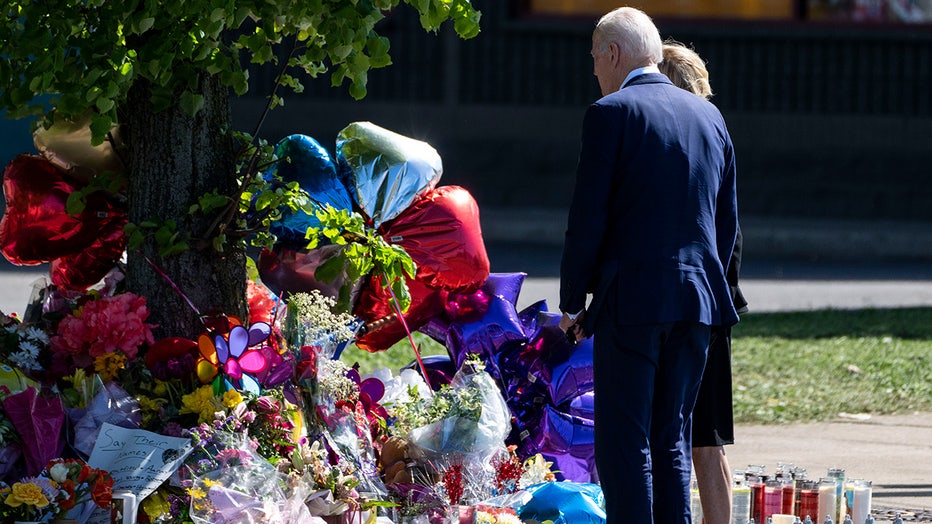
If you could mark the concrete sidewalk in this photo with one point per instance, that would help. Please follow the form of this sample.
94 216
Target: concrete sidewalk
892 451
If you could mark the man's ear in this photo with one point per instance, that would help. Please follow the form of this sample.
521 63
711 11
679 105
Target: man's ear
614 53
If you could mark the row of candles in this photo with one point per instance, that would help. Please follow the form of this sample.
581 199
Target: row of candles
789 494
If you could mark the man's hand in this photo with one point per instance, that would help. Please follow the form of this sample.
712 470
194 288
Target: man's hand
573 327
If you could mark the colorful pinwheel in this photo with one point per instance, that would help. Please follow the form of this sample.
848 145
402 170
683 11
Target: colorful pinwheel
231 354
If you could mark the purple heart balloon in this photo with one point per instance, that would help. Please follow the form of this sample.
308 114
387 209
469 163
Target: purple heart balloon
563 433
583 406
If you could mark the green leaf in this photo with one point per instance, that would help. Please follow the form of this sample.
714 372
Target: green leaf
329 270
191 103
100 126
104 105
75 203
145 24
252 271
400 289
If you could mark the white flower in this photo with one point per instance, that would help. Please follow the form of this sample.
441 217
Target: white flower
507 518
29 349
36 334
25 360
396 388
59 472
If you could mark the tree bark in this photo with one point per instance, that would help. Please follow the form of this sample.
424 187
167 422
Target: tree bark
174 158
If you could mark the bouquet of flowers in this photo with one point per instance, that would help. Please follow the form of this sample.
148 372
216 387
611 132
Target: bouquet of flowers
311 321
468 417
63 489
231 482
101 335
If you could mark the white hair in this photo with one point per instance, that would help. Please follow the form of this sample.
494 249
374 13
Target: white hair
633 32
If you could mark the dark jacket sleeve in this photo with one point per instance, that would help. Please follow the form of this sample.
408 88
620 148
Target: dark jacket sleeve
601 137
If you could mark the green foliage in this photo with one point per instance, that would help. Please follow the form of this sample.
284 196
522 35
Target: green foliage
365 252
811 366
107 181
394 358
87 54
165 233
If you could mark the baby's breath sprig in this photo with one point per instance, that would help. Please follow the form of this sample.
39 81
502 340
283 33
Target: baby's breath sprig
311 319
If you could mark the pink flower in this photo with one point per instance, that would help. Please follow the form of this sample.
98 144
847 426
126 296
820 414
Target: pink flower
105 325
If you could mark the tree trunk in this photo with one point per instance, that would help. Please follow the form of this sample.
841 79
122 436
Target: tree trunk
173 159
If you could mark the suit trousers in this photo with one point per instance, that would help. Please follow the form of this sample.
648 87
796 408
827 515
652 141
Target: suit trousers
646 381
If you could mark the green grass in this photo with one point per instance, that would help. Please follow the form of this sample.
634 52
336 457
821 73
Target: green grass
795 367
395 357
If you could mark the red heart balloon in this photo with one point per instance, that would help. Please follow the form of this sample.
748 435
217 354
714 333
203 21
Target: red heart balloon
85 268
442 233
35 226
374 306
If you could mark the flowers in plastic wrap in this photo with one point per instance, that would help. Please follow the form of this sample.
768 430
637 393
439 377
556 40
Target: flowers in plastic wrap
333 485
469 417
38 417
311 322
65 488
94 403
345 423
232 483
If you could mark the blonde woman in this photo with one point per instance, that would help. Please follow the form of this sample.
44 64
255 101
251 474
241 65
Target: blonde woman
713 424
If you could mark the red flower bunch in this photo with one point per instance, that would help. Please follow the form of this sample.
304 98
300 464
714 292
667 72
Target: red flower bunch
59 488
101 334
105 325
508 471
78 483
453 483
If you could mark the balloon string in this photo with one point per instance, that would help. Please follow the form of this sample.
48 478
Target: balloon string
401 317
175 287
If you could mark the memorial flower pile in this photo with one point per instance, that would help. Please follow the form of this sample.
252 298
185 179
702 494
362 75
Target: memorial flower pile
258 419
63 488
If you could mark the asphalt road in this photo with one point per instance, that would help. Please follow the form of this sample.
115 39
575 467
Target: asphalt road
769 284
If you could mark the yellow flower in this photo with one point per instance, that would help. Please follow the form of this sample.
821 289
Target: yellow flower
29 494
160 389
196 493
109 364
201 401
155 506
231 398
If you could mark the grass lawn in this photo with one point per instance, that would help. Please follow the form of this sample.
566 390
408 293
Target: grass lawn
811 366
794 367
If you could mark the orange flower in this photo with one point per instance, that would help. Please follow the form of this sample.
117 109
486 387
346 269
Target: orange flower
102 492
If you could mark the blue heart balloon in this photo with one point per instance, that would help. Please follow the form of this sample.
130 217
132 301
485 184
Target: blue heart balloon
303 160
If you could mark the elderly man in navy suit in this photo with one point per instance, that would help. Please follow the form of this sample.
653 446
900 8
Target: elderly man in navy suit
652 224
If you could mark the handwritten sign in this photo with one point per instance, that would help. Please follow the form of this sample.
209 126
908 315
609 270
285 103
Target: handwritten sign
139 461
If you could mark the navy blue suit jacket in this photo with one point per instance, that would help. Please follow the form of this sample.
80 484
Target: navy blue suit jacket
654 213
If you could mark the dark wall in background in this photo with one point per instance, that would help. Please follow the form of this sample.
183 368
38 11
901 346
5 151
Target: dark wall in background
828 121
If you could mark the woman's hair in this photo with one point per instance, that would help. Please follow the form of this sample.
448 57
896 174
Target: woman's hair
685 69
